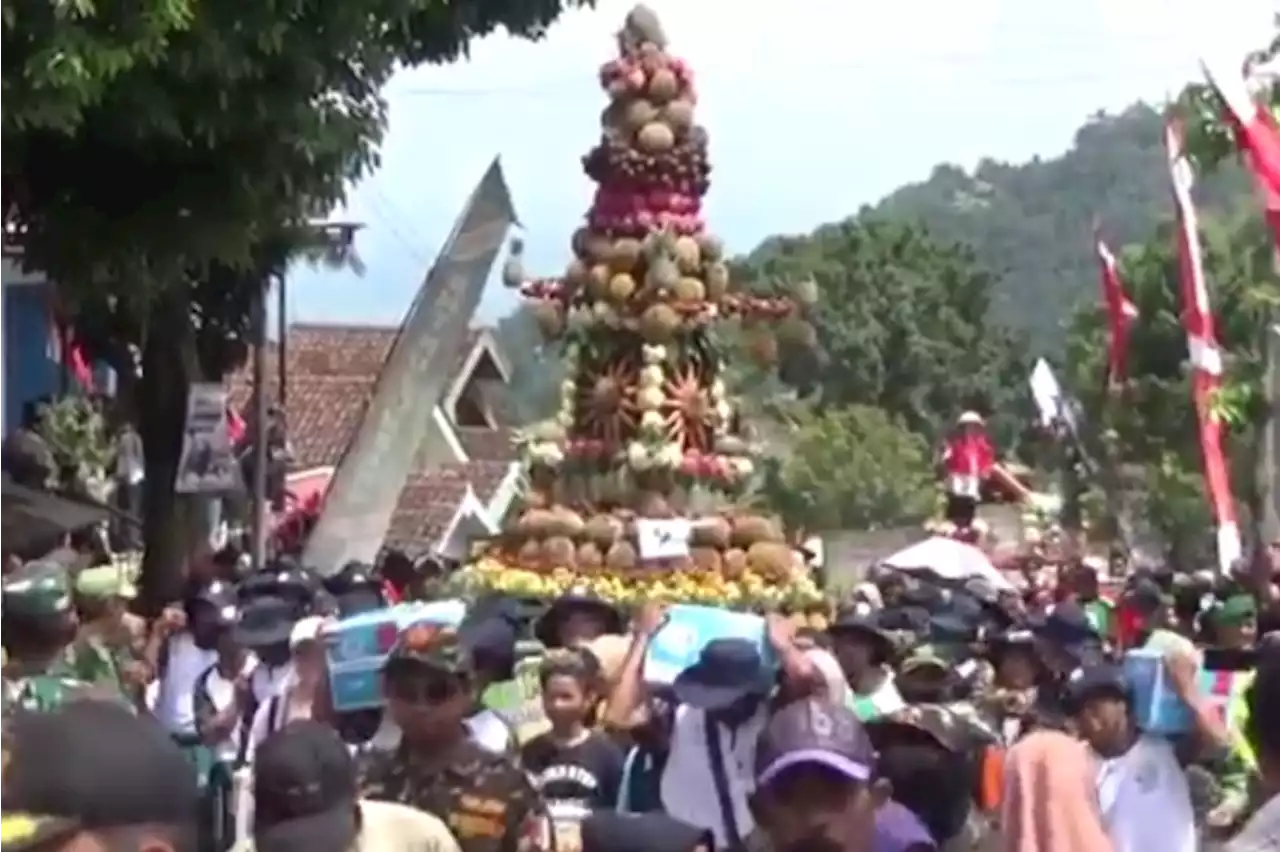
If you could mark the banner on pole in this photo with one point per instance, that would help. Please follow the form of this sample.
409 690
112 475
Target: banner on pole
371 474
207 464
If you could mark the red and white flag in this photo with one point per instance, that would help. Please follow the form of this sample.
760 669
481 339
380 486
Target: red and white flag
1120 311
62 348
1202 348
1256 132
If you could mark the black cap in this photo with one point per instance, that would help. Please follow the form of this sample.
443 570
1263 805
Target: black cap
265 621
70 763
304 790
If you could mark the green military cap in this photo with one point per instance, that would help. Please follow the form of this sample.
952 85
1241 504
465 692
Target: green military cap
37 589
429 647
106 581
1234 611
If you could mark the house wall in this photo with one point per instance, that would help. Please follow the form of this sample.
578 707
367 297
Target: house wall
29 372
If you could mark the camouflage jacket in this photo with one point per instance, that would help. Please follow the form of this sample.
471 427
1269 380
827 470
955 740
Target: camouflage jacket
40 692
485 798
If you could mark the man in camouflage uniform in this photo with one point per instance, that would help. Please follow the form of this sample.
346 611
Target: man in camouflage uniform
485 799
105 652
39 622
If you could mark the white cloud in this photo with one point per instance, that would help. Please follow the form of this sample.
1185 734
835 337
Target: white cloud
814 108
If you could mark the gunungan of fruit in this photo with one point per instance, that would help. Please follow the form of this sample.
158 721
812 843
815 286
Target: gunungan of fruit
710 532
621 287
690 289
589 557
658 324
598 281
656 137
663 85
566 522
604 530
688 256
663 273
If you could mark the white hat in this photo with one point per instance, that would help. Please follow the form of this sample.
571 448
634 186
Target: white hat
306 630
971 418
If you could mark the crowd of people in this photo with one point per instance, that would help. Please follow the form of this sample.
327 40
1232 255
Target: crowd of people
928 716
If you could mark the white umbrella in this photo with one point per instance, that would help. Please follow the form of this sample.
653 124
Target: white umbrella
950 560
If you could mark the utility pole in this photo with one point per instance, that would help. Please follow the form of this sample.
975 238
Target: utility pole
258 328
1270 463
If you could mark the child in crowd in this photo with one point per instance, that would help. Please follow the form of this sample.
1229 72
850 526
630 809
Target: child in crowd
577 769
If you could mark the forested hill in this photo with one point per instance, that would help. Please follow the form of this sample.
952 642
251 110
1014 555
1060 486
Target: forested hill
1032 223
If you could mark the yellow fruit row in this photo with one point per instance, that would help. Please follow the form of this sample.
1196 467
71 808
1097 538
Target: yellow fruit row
748 591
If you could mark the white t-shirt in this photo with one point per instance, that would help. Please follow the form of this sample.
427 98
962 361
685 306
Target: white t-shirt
184 664
688 786
222 693
269 681
1145 800
491 731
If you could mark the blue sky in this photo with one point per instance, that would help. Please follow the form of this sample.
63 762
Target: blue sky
814 107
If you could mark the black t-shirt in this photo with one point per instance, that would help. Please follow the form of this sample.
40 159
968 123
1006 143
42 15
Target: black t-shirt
575 779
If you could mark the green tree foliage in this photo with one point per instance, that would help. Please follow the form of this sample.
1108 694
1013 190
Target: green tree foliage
853 467
163 160
903 324
1032 223
1152 418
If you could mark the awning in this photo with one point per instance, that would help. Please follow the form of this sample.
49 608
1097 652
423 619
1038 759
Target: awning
34 518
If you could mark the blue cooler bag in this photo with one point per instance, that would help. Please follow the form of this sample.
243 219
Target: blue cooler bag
688 630
356 648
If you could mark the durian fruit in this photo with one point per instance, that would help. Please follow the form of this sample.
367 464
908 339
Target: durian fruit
662 273
711 532
707 560
658 324
663 85
603 531
689 290
752 529
687 255
565 522
734 563
535 523
656 138
642 26
625 255
678 115
640 112
717 280
559 552
590 558
529 556
621 557
710 246
598 282
621 287
770 559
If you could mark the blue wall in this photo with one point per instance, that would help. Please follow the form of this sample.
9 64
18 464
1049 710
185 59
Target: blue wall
29 373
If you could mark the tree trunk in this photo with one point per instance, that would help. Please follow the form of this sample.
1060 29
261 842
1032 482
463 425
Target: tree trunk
162 404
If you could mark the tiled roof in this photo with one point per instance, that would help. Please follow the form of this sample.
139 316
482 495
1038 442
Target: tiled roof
485 444
332 373
429 501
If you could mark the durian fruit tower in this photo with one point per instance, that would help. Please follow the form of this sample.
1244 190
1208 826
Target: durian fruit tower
646 427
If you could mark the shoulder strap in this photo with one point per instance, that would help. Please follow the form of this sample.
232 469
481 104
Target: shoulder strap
721 780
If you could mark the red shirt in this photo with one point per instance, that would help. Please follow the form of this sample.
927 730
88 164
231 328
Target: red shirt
969 454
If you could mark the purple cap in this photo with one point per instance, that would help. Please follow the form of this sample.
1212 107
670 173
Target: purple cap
813 731
898 828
